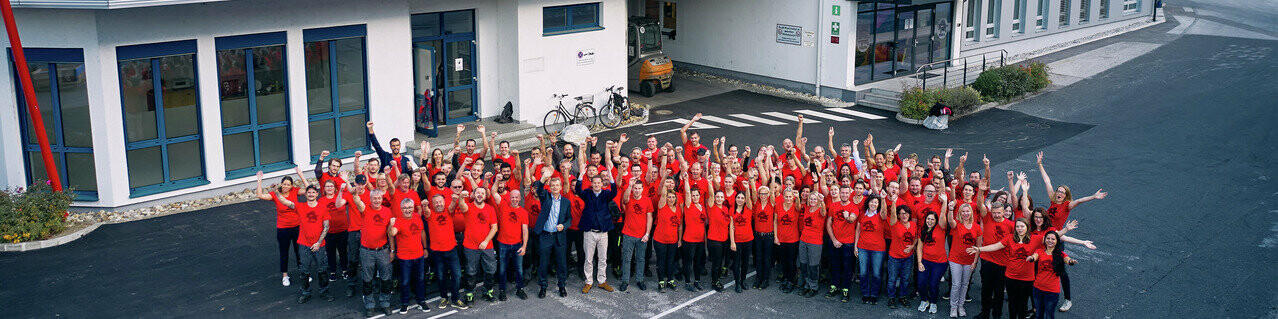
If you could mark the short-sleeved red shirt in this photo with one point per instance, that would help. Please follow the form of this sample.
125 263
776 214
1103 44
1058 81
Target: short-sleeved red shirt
1058 213
408 240
1017 267
743 231
934 251
442 237
510 230
1045 277
763 218
690 151
993 232
668 220
636 218
872 229
962 238
337 215
720 218
812 226
479 222
312 222
286 217
694 221
373 235
902 235
844 230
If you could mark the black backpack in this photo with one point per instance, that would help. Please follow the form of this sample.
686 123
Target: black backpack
507 114
941 109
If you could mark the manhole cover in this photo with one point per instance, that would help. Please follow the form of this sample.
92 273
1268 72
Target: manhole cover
1040 126
663 112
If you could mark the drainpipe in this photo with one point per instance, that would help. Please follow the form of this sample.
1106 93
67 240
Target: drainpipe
24 75
816 40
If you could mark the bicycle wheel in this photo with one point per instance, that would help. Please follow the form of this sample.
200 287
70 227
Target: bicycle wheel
610 116
585 115
554 122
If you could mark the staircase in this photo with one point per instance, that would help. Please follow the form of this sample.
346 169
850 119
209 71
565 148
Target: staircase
882 99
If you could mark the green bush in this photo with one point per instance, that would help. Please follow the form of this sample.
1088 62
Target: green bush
1007 82
33 214
962 99
1038 76
915 103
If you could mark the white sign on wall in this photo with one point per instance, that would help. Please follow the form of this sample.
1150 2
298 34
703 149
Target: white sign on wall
585 57
459 64
789 34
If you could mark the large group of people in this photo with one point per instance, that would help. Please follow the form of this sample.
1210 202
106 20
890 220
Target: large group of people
699 216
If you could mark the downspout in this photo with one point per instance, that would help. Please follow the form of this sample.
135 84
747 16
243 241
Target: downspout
816 40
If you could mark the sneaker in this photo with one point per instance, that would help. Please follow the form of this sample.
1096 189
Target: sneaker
460 305
833 292
641 285
717 286
846 297
688 286
764 285
350 291
946 296
874 301
468 298
661 287
697 285
865 300
501 296
425 307
285 282
489 296
541 294
737 288
968 298
922 306
953 312
521 294
1064 305
443 303
562 293
623 287
368 313
403 309
386 311
962 313
303 299
892 303
931 308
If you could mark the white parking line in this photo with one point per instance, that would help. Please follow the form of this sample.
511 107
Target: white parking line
414 307
698 298
855 113
756 119
789 117
724 121
825 116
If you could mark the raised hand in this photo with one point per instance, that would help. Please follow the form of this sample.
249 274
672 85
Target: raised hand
986 160
492 135
800 118
1040 157
1100 194
358 154
1071 225
1021 176
460 128
324 154
623 138
831 134
696 117
1010 174
481 129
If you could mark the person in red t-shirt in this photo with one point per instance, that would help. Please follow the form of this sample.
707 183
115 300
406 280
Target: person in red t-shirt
693 249
1049 266
842 226
410 249
931 258
512 241
786 225
310 238
668 228
1019 273
481 228
443 244
286 219
901 252
691 142
374 251
636 230
965 232
1062 202
812 227
871 248
742 234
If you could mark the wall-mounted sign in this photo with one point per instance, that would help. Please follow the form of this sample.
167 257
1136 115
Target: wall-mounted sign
789 34
459 64
836 10
834 39
585 57
834 28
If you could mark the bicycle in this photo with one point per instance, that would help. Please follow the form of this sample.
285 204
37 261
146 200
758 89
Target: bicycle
616 110
558 118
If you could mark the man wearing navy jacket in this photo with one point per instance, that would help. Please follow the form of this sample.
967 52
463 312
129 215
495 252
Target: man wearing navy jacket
550 226
595 223
404 161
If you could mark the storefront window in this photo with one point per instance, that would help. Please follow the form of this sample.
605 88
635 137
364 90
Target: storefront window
161 105
254 100
336 89
60 73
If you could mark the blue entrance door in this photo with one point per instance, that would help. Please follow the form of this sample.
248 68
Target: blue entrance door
445 68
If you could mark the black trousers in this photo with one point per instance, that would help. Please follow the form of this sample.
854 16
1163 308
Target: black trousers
1018 294
763 256
992 281
665 260
716 249
335 245
741 262
552 247
286 237
788 254
694 255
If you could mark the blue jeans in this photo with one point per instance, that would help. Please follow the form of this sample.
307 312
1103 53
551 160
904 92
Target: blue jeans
509 260
841 263
1045 303
449 268
412 271
633 249
898 277
929 280
871 271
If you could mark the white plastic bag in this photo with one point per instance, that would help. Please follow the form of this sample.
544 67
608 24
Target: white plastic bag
937 122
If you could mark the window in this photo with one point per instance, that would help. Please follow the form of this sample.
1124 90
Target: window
1131 6
570 18
161 104
253 91
1018 7
1104 9
669 16
58 78
1038 19
1084 10
336 89
1063 18
991 18
973 8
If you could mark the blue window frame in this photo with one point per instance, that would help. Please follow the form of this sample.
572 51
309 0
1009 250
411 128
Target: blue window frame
336 89
58 76
253 91
159 95
570 18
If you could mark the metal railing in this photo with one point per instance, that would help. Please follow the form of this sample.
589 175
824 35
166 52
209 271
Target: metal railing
957 71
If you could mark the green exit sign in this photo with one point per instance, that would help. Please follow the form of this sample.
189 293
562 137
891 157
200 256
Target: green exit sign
836 10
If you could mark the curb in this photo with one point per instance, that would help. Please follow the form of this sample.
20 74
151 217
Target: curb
906 120
56 241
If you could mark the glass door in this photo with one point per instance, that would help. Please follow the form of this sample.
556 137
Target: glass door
459 75
903 55
424 87
941 32
922 38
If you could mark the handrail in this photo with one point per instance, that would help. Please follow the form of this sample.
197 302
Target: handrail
918 73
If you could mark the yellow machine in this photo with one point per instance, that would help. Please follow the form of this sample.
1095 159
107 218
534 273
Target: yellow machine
650 70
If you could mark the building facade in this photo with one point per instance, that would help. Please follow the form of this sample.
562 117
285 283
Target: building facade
148 100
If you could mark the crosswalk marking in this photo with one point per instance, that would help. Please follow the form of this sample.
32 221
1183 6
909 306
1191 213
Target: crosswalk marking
724 121
855 113
825 116
681 122
789 117
756 119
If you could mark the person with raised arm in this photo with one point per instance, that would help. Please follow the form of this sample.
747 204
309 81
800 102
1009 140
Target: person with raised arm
1062 202
310 239
402 162
477 239
374 251
595 223
931 258
552 221
1049 265
742 235
842 226
410 237
286 218
691 141
512 239
965 232
900 253
666 234
812 229
1019 272
636 229
693 247
765 240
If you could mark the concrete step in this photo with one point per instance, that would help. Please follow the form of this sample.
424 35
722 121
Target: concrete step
879 102
884 95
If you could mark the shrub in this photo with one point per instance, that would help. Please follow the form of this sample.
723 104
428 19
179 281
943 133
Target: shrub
1038 76
1006 82
33 214
915 103
962 99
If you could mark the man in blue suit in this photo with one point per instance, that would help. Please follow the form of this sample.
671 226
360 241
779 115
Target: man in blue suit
550 229
596 221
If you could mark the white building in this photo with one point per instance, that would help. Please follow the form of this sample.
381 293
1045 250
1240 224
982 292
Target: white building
252 85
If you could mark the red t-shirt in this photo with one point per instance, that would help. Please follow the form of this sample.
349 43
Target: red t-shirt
667 230
909 200
337 215
813 226
719 221
374 236
935 250
576 205
1017 267
844 230
355 220
311 227
741 221
397 198
408 240
459 219
479 222
694 229
510 229
636 217
872 229
920 210
763 218
690 151
902 235
993 232
442 237
1045 277
1058 213
962 238
532 205
286 217
787 223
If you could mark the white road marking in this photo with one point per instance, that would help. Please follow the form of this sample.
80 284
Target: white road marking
855 113
698 125
1188 9
698 298
724 121
1185 22
825 116
756 119
789 117
428 302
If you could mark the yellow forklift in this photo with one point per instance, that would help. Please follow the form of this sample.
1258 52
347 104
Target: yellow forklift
650 70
